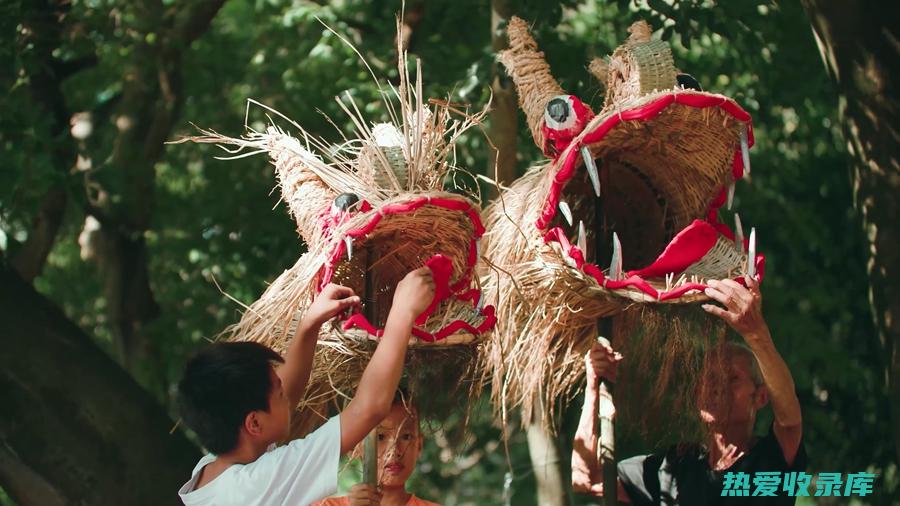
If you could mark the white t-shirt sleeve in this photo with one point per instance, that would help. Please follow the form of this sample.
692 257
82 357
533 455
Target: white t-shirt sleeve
303 471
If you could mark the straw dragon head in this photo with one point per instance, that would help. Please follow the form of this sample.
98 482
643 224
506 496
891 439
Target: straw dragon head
625 209
370 210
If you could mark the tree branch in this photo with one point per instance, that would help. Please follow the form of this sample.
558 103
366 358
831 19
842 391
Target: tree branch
71 414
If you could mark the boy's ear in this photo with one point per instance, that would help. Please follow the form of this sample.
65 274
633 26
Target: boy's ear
761 398
252 424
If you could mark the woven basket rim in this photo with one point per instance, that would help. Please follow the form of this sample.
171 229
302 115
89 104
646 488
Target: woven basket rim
647 110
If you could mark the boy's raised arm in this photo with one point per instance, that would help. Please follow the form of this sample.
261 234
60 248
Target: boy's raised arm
298 360
379 381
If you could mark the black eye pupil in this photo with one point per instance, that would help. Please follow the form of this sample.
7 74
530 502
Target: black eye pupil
688 81
345 200
558 109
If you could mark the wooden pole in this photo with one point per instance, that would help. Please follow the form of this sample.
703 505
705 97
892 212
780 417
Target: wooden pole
370 310
370 460
606 411
606 445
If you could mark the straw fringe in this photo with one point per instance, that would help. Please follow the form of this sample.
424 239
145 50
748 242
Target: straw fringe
545 312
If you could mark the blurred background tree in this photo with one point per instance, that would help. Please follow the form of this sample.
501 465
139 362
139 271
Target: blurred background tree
111 240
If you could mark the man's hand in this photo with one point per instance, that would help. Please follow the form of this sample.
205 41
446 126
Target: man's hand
601 361
414 292
744 313
743 306
363 494
331 300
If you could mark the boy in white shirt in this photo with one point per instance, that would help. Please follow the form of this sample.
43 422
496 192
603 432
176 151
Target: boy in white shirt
238 398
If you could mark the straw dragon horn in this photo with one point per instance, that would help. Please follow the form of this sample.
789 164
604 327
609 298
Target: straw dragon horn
304 192
530 72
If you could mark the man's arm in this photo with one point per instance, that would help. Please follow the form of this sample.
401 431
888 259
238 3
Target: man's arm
587 473
744 313
294 373
379 381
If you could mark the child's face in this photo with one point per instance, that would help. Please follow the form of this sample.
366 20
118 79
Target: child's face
399 444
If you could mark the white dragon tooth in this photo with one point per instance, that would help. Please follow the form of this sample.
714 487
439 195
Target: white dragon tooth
591 168
615 265
730 195
566 211
348 243
582 239
480 304
751 254
745 150
738 233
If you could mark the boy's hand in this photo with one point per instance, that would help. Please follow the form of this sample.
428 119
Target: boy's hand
362 494
601 361
331 300
414 292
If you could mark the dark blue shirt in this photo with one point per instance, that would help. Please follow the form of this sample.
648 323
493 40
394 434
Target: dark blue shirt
682 476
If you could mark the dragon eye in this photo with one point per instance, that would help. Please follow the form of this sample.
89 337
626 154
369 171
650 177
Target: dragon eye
689 82
345 200
559 114
558 109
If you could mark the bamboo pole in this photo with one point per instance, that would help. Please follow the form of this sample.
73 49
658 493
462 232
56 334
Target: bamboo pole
606 410
606 445
370 310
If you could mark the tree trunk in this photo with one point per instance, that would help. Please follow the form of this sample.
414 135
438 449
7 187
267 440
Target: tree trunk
552 489
504 116
42 33
151 101
857 41
76 428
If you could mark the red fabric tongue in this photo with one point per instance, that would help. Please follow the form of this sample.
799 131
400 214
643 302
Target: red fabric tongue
441 270
686 248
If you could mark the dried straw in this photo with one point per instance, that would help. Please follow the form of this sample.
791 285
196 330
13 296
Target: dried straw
442 379
545 312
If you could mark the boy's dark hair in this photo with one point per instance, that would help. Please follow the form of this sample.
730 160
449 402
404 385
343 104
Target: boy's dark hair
222 383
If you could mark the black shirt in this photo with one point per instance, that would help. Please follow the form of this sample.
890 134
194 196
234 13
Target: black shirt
684 477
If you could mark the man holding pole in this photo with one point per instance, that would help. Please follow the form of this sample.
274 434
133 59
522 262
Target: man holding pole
707 475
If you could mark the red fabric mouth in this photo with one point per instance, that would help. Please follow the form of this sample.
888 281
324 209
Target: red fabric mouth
643 113
688 246
441 269
685 249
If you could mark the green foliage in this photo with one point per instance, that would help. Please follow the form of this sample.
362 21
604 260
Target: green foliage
222 220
